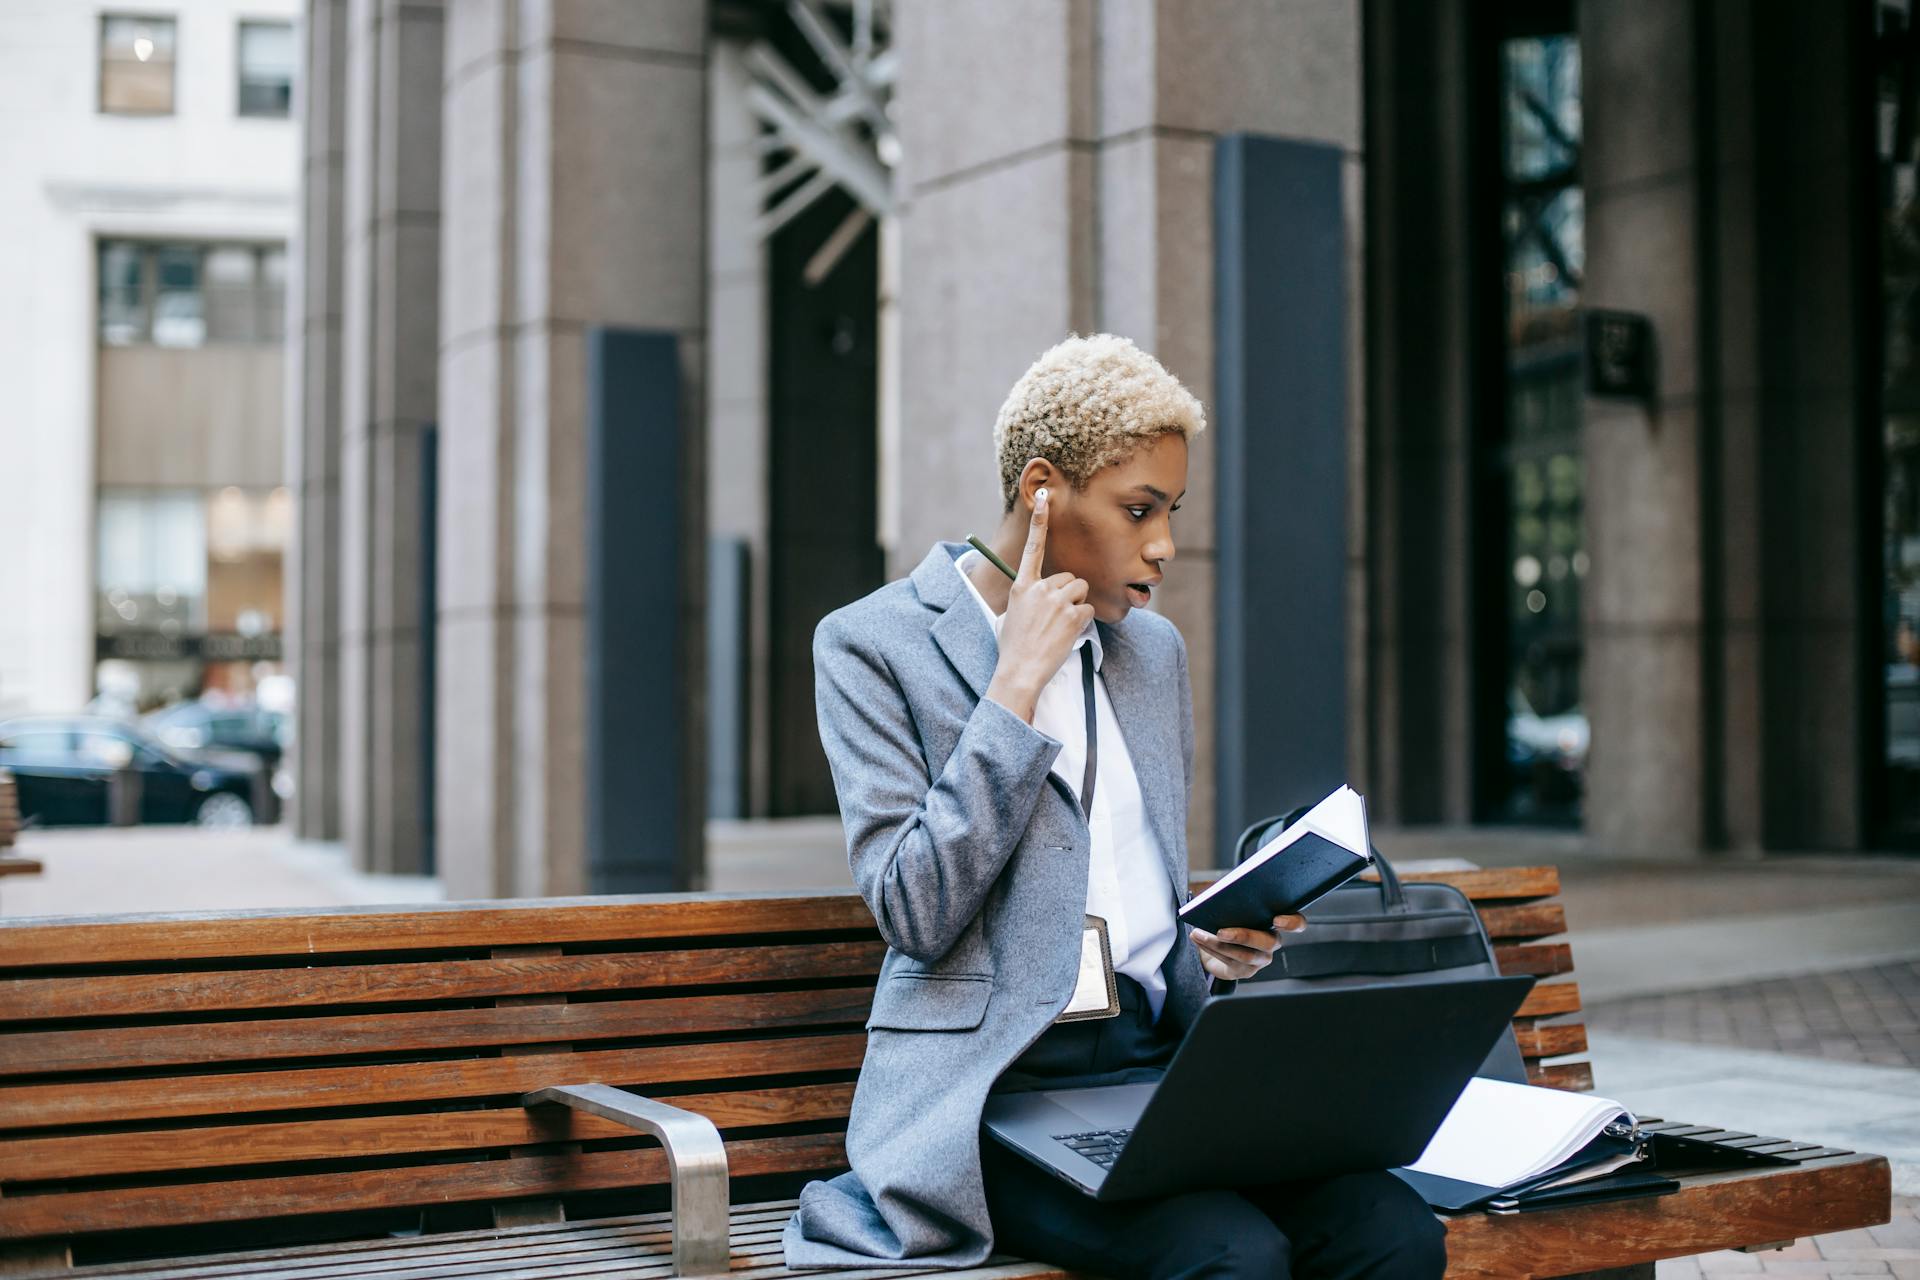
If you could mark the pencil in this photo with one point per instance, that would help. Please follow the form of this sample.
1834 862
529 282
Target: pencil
992 559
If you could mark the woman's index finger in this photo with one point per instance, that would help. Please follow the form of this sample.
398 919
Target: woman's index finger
1035 554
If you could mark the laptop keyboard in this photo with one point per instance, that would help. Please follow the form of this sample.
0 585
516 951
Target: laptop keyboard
1099 1145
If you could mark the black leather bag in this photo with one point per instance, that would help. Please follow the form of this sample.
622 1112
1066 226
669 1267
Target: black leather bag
1364 934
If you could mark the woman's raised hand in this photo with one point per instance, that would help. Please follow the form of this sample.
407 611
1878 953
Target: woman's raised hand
1045 615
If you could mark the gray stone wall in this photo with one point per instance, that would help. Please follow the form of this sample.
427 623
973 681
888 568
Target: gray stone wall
575 177
1063 181
389 338
1643 605
313 449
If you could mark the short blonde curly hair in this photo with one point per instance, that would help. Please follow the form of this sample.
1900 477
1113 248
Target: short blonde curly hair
1086 404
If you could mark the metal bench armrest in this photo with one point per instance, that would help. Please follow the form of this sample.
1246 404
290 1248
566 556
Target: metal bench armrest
696 1164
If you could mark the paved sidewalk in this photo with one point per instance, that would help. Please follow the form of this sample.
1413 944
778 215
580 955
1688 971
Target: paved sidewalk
1877 1251
1869 1015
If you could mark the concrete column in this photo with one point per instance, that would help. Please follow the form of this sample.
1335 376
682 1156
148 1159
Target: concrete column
575 178
1789 347
313 448
737 419
1643 619
390 337
1411 532
1064 182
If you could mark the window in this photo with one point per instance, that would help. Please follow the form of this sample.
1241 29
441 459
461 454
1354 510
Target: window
123 307
1898 212
179 309
266 69
1534 459
38 746
187 295
151 561
136 64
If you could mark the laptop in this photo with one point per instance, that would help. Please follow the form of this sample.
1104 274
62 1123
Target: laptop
1272 1086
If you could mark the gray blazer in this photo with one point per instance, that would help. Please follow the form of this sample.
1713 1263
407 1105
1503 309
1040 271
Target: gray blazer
974 861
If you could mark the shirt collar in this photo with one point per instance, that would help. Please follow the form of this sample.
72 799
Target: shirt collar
964 561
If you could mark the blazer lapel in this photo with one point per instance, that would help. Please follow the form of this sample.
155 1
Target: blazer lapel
1153 743
962 634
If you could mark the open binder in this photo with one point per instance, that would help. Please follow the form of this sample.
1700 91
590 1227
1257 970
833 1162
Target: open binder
1512 1147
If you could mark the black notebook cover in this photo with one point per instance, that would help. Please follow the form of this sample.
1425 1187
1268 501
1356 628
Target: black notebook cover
1282 885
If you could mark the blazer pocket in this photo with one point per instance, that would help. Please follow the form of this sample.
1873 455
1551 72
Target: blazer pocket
931 1002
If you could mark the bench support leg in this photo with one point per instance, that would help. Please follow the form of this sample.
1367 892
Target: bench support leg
696 1164
39 1259
1638 1271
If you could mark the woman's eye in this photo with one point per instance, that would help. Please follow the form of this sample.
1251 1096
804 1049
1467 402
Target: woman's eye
1138 513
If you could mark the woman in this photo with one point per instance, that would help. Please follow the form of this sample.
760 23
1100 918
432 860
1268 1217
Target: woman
986 821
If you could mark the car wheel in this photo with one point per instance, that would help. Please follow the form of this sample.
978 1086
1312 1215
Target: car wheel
223 809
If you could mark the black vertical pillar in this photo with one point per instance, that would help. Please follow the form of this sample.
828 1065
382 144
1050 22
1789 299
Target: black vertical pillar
429 633
1280 408
640 700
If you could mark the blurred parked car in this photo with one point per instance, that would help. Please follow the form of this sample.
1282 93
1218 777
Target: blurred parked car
197 726
1546 755
67 769
192 727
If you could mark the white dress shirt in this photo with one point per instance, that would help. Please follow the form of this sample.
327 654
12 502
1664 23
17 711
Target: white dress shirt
1127 883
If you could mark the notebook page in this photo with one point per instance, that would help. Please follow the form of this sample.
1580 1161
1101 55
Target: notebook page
1500 1133
1340 817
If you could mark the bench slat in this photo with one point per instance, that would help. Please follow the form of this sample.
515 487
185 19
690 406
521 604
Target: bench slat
1524 923
122 995
53 941
79 1212
1575 1077
123 1048
97 1155
1548 999
1538 1041
1490 883
39 1106
372 1253
1710 1211
1544 959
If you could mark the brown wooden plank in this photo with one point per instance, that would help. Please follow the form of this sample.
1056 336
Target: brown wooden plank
95 1155
52 941
120 995
626 1255
14 865
1489 884
40 1106
1523 923
1575 1077
1548 999
745 1219
82 1212
125 1048
1546 1041
1709 1212
1542 958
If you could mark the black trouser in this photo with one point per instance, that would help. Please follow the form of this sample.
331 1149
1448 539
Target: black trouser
1368 1225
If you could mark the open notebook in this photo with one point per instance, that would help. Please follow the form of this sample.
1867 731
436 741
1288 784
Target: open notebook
1323 849
1514 1140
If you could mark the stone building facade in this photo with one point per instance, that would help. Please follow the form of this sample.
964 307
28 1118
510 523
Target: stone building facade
1654 615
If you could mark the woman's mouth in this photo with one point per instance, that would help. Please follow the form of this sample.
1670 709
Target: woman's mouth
1139 593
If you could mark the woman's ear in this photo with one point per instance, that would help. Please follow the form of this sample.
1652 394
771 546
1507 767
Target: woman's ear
1039 474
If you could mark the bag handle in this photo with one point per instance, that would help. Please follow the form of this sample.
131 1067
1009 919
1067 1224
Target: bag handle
1392 896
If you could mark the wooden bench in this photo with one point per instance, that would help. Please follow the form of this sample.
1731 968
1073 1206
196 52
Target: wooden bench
12 864
366 1092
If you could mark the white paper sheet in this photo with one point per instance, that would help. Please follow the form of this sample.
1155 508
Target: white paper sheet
1500 1133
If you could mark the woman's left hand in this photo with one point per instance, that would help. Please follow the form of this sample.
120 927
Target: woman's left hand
1236 954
